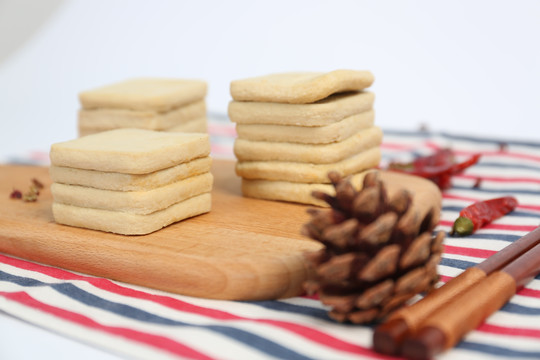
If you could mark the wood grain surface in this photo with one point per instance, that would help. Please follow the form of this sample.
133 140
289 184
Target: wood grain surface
244 249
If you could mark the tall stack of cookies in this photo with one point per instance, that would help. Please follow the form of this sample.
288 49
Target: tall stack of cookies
159 104
294 128
130 181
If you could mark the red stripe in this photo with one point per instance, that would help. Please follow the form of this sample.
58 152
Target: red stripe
459 197
104 284
431 145
221 149
445 278
391 146
527 228
216 129
40 156
157 341
458 250
529 292
503 330
500 179
508 154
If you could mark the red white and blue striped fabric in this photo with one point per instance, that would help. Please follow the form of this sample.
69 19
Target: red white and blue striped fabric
148 324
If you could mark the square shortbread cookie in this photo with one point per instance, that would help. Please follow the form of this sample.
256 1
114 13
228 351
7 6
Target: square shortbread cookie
155 94
129 182
195 125
335 132
108 119
250 150
324 112
127 223
299 87
293 191
130 151
306 172
135 202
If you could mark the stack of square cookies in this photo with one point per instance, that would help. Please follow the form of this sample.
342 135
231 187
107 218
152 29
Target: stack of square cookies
148 103
294 128
130 181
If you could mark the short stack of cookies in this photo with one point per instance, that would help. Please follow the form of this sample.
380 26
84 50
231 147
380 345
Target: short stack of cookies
294 128
130 181
158 104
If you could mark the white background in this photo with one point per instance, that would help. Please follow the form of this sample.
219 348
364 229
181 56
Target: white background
466 67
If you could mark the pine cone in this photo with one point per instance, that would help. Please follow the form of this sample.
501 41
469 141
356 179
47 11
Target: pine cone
378 252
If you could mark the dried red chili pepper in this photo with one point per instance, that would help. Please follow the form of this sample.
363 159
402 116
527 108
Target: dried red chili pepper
475 216
31 195
438 167
440 158
15 194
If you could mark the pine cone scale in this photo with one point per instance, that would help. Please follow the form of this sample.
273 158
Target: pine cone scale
384 264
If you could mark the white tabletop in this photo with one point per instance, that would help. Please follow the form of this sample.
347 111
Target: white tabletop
21 340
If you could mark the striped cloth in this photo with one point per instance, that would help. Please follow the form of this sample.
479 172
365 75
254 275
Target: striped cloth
148 324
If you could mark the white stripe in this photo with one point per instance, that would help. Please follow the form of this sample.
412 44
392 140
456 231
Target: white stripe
507 319
72 330
473 259
515 343
495 171
196 338
527 301
492 185
448 271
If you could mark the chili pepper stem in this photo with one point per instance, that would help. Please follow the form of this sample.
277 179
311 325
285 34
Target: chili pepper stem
462 226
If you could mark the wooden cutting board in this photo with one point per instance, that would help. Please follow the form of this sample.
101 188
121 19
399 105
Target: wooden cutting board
244 249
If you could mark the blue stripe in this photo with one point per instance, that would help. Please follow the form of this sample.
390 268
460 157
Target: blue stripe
503 191
463 264
520 309
251 340
292 308
489 236
406 133
504 353
455 263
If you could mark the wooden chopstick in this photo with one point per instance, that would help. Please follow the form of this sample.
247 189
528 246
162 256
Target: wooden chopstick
405 323
449 324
